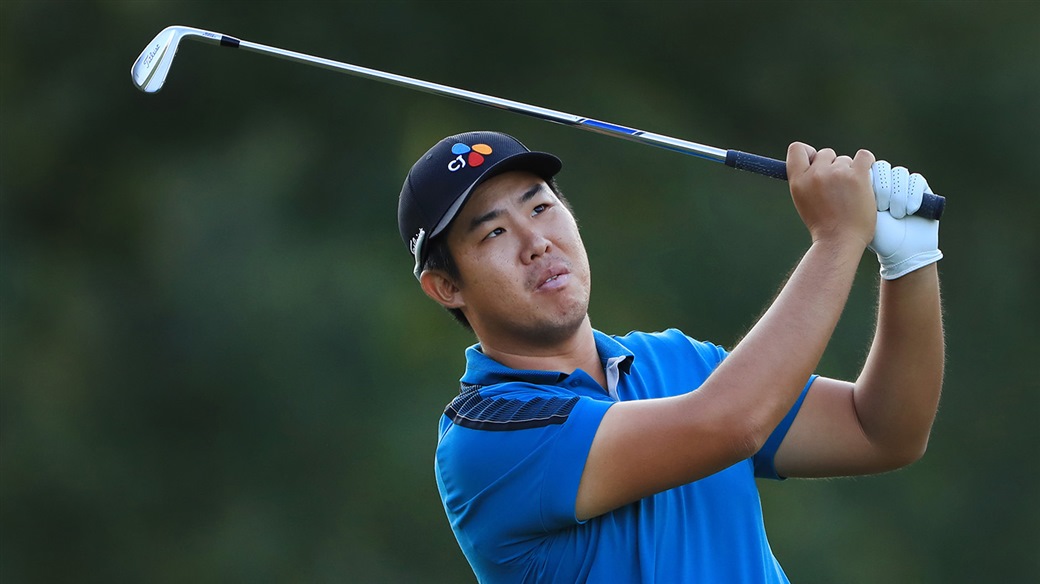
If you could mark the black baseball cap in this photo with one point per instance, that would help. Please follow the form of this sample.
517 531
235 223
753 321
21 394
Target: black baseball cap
441 181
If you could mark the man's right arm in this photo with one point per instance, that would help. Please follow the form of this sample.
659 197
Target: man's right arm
648 446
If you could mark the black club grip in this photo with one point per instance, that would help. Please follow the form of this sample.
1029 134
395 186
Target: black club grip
756 164
932 206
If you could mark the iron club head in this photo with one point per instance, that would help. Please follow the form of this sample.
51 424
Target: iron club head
151 68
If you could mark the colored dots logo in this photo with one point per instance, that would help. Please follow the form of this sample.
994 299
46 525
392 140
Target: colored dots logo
472 155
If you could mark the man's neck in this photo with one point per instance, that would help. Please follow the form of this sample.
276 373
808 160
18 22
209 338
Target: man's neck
577 351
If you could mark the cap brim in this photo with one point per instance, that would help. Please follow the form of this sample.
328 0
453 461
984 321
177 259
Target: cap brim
542 164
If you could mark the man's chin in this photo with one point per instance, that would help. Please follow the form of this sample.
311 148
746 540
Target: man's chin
558 330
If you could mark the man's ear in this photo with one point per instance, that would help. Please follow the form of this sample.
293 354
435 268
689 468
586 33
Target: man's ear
442 289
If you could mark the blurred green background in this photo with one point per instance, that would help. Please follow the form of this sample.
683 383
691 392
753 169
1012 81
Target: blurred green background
217 367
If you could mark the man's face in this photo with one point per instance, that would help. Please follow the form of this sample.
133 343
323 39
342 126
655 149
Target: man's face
525 276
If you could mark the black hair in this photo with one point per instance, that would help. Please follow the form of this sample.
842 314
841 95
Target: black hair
439 256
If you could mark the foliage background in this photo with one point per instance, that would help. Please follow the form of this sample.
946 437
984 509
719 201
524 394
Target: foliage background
216 366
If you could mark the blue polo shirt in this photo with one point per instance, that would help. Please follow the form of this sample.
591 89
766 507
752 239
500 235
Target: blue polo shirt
512 448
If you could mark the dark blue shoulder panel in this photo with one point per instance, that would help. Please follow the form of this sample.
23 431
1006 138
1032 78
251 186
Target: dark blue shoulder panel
473 410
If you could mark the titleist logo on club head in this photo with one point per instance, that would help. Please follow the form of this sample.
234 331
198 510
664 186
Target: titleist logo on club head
147 62
468 155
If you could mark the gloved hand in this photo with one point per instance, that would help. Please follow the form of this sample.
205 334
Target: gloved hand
902 242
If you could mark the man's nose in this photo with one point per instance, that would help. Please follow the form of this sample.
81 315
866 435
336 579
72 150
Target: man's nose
536 244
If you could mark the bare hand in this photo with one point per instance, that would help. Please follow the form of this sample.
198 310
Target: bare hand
832 193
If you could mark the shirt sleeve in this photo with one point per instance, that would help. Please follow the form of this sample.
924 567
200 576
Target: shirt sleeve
515 482
763 459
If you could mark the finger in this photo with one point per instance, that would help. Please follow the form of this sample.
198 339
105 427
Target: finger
843 161
799 156
863 160
881 177
825 156
900 189
917 187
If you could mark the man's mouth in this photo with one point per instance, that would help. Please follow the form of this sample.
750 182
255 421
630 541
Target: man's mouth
554 281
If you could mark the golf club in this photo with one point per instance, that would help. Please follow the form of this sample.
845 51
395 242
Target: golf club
151 68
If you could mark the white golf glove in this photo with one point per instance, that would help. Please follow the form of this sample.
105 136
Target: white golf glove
903 242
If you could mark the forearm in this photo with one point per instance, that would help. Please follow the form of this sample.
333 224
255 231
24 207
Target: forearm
762 376
897 393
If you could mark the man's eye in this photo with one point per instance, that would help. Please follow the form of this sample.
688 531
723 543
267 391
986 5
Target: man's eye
540 208
495 233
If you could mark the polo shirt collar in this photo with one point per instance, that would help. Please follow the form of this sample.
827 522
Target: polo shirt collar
483 370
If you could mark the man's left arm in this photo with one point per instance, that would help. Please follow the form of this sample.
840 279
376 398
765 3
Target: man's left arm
882 421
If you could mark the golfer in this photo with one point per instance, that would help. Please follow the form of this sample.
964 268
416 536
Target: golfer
571 455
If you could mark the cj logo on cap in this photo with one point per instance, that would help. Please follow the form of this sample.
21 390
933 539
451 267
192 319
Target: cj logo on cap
468 156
